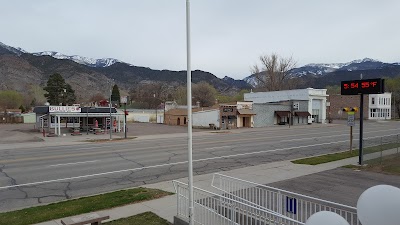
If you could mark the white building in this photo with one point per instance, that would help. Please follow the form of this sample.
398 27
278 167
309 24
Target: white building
308 100
380 106
206 118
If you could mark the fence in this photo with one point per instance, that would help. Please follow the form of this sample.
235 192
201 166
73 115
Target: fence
214 209
288 204
6 118
381 150
376 149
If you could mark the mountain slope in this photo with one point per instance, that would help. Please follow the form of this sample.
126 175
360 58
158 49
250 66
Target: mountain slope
19 70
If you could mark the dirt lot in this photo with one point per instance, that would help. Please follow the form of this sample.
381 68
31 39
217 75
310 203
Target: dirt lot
18 133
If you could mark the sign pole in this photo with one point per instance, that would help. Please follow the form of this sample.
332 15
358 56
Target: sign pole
126 122
351 139
360 156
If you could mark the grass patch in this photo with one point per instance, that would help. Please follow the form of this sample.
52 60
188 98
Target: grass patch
79 206
387 165
147 218
343 155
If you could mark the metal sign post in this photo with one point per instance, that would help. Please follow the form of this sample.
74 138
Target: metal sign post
360 156
124 100
351 123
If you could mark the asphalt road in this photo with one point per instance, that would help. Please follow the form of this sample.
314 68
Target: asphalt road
350 184
32 176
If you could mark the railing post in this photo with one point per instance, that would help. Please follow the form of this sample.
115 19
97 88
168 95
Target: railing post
279 203
398 144
231 209
177 199
381 150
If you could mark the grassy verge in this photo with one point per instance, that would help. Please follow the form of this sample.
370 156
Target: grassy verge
79 206
387 165
147 218
343 155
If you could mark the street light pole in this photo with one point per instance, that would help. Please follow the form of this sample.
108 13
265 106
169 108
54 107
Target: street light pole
189 111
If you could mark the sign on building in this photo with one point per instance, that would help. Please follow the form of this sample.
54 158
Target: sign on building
68 109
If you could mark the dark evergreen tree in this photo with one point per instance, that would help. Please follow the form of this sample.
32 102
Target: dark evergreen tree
115 95
59 92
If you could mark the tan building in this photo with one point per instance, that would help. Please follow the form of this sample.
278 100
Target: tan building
176 117
237 115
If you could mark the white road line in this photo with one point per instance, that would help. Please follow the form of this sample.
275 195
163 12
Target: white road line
67 164
162 165
212 148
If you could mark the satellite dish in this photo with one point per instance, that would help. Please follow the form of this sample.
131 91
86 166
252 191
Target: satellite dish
379 205
326 218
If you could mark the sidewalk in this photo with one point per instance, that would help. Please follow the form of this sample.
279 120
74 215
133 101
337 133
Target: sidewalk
263 174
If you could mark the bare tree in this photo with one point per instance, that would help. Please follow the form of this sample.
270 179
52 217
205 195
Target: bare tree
97 97
274 72
204 93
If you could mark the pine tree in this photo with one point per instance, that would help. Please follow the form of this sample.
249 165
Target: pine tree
58 91
115 95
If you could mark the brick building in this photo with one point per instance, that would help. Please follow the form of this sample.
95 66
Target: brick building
338 102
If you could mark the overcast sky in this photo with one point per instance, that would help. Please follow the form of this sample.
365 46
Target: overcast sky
228 36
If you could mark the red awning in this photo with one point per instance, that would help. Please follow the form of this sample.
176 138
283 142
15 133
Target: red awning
282 113
302 114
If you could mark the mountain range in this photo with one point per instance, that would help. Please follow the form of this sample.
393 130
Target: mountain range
325 72
20 69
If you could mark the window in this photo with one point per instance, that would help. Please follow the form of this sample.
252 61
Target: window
372 101
373 113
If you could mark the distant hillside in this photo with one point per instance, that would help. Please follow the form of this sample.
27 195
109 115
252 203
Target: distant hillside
321 75
19 70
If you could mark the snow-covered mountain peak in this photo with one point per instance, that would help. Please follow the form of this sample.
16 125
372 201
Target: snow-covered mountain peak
364 60
17 50
104 62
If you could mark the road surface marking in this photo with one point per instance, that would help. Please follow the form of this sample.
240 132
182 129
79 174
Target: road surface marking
162 165
67 164
178 145
212 148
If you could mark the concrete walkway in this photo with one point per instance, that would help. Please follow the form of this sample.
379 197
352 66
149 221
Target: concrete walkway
264 174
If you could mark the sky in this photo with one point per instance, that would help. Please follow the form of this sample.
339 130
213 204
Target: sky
228 36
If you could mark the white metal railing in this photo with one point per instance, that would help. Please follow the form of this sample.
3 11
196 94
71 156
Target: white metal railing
289 204
214 209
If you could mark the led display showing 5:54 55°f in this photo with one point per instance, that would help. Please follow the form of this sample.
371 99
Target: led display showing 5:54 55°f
355 87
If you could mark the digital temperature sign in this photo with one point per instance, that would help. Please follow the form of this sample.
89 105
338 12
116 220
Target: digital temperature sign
370 86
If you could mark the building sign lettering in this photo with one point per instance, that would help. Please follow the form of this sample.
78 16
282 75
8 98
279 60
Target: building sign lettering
67 109
228 109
